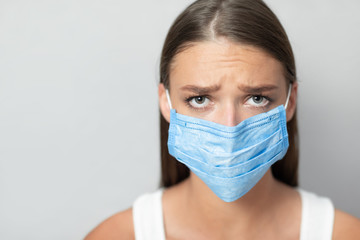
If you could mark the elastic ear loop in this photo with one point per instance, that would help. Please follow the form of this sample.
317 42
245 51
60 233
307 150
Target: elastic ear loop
168 98
288 95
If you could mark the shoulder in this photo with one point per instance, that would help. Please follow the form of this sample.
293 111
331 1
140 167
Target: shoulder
118 226
345 226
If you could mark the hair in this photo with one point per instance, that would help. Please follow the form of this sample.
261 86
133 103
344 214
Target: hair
247 22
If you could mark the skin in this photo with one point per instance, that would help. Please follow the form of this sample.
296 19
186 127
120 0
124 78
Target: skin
223 82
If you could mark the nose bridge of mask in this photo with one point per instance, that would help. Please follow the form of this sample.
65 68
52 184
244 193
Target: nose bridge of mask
286 102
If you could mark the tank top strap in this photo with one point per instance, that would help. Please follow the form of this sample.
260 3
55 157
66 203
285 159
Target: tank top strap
148 216
317 217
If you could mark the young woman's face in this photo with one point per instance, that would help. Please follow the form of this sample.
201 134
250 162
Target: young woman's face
226 83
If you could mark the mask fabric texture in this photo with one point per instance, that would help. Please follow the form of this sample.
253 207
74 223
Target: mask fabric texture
230 160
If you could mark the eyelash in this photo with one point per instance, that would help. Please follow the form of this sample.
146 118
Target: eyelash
267 98
189 99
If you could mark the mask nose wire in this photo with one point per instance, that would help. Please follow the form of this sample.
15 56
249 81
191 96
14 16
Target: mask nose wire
168 98
288 95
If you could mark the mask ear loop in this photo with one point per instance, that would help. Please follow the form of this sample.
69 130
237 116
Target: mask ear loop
288 95
168 98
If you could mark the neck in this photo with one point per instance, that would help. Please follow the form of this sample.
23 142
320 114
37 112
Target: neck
250 206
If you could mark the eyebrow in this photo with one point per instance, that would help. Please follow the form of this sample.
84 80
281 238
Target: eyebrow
201 90
257 89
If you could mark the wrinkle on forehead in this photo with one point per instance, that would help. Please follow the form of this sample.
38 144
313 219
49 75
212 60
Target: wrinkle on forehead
219 60
225 55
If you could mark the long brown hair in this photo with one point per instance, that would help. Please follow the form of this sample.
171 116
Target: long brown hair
248 22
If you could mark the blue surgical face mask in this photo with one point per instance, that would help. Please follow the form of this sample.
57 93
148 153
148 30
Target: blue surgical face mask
230 160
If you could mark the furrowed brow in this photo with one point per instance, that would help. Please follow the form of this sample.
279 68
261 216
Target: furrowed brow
200 90
257 89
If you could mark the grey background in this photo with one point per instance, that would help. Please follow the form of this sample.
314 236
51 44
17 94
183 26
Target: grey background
79 114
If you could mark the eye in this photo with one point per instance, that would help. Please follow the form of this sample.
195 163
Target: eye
198 101
257 101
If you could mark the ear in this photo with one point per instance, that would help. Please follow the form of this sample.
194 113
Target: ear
290 110
163 102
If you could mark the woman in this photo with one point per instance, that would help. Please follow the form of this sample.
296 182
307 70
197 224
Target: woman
228 89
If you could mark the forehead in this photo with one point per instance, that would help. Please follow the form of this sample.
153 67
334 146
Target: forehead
216 61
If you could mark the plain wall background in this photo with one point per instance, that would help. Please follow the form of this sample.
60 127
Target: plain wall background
79 134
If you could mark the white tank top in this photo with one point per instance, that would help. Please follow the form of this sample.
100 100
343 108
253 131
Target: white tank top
316 222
